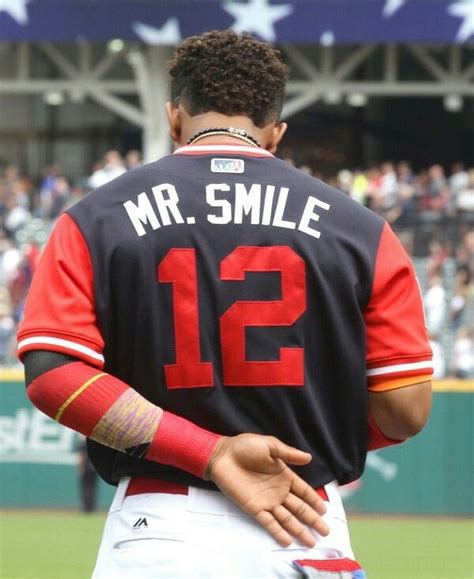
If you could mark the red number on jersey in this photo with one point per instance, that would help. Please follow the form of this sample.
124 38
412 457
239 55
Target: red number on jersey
289 369
179 268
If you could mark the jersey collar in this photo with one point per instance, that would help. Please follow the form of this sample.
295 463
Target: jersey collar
222 149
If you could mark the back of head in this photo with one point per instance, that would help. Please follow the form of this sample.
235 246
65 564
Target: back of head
231 74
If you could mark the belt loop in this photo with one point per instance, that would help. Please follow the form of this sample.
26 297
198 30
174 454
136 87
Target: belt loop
120 494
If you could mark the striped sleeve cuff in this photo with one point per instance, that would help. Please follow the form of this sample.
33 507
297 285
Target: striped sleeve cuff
395 370
384 384
75 347
401 369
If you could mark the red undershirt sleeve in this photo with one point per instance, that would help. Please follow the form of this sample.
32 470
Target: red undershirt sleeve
59 311
398 351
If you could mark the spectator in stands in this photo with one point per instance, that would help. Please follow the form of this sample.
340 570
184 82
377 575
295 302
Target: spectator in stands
437 180
404 173
60 196
405 209
436 258
463 354
373 199
464 197
15 202
388 186
47 187
11 177
465 257
459 178
457 305
345 180
435 306
10 259
360 185
7 330
133 159
112 166
88 479
20 281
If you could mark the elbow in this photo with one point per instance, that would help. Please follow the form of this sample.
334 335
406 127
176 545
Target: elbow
413 422
412 418
35 394
402 413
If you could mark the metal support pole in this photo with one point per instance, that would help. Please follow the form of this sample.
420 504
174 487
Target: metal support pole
150 73
156 140
23 60
391 63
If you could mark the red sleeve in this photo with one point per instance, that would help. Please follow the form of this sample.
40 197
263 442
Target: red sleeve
397 339
59 312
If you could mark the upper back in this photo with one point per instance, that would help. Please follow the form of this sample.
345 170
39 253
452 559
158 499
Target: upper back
230 288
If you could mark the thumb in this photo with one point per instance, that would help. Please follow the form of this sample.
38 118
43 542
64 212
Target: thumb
289 454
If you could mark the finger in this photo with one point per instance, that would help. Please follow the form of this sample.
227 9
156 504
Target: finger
291 524
301 489
268 522
306 514
288 454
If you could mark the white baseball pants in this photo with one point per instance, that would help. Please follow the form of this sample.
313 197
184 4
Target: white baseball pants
203 535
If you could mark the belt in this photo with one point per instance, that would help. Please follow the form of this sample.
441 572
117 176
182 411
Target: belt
139 485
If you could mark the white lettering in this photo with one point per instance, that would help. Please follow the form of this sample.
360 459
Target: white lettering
247 202
211 200
13 431
142 213
167 206
268 204
309 215
278 220
250 203
45 435
30 436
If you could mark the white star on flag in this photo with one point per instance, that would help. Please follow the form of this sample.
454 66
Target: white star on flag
257 16
327 38
463 9
16 9
169 33
392 6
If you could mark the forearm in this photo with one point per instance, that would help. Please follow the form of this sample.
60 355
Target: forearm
112 413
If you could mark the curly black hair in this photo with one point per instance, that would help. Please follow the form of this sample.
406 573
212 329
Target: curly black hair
231 74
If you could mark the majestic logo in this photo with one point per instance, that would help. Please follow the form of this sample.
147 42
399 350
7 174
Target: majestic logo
142 522
227 165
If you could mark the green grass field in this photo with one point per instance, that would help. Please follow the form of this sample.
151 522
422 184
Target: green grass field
63 546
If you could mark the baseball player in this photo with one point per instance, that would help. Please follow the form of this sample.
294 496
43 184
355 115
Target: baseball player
231 335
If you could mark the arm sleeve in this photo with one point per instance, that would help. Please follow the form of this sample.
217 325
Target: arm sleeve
59 311
398 351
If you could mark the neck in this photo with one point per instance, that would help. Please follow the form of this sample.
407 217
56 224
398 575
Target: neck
226 132
206 121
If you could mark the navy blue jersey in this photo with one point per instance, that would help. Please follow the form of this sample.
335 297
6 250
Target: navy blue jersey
232 289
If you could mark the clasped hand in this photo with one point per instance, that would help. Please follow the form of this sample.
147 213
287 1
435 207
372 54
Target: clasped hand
252 470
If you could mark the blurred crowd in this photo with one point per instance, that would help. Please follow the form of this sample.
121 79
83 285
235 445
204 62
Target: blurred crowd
410 201
449 307
400 195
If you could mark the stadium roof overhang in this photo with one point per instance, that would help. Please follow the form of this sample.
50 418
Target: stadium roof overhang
114 50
